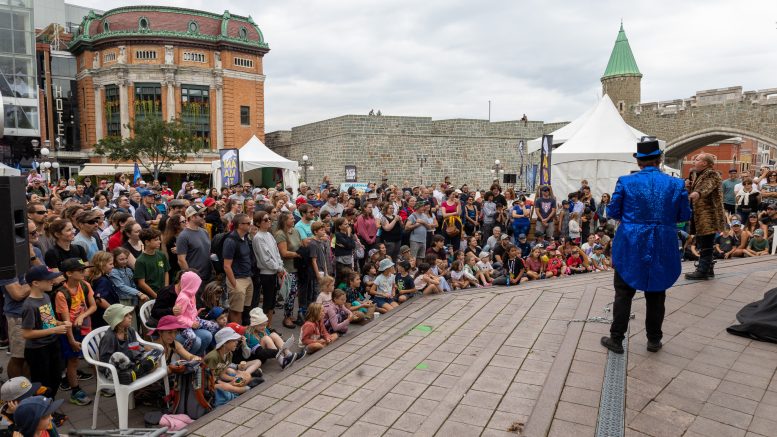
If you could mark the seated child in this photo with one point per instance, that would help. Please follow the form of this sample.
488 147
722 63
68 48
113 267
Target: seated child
458 280
326 284
384 286
231 380
337 316
484 264
471 270
313 335
440 269
218 315
557 266
370 272
262 344
514 271
575 261
13 392
426 281
354 295
186 301
120 347
598 260
405 284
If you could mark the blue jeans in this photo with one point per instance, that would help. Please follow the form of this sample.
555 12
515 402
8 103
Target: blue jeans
518 230
201 342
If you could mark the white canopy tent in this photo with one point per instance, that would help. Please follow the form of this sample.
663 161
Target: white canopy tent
254 155
9 171
600 150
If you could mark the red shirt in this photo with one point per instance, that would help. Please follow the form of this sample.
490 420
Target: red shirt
115 240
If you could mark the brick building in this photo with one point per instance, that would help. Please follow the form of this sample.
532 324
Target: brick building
147 61
740 153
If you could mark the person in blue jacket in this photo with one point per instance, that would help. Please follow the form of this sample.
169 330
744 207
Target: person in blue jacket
649 204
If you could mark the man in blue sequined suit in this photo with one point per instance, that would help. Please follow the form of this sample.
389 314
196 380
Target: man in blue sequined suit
649 204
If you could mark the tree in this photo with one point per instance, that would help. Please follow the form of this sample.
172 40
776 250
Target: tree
155 144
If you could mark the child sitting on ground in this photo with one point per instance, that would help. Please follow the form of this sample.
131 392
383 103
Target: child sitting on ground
337 316
514 271
354 295
263 344
598 260
218 315
370 272
484 265
313 335
427 282
458 280
384 287
471 270
557 266
326 285
231 380
405 284
576 262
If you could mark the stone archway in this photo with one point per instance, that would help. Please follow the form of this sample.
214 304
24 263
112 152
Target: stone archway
679 147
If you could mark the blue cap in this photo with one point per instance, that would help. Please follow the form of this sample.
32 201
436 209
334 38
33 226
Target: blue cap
31 410
215 313
40 273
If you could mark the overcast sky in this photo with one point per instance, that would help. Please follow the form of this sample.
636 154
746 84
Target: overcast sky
448 58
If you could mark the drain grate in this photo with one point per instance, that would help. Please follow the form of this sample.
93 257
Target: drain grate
612 404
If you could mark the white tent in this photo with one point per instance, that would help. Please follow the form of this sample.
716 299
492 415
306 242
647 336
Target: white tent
600 151
9 171
255 155
561 135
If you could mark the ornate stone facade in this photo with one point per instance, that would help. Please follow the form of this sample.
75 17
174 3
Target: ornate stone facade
166 62
465 150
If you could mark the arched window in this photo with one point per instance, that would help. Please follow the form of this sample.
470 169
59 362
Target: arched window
143 23
193 27
243 33
106 26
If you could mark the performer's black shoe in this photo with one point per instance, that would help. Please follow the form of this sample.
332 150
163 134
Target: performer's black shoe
698 275
609 343
654 346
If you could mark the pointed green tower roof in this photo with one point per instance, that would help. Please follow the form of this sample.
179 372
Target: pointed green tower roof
622 61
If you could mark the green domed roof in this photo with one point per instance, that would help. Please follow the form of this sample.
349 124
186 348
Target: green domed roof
622 61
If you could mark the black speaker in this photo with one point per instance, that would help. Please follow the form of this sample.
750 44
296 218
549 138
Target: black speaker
14 246
509 178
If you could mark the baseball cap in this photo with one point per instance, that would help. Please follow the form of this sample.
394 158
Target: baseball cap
520 236
143 192
177 203
404 249
194 210
736 223
484 254
73 264
505 236
40 273
31 410
300 201
239 329
215 313
16 389
209 202
759 232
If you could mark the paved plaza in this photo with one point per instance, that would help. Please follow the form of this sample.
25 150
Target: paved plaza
514 361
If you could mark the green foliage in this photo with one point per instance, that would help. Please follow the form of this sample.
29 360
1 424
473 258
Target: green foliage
155 144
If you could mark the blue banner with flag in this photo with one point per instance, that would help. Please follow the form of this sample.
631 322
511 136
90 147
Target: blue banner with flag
136 174
230 165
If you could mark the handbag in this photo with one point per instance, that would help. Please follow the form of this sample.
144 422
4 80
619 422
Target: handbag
359 250
285 287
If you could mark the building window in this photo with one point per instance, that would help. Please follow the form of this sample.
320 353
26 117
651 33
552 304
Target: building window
245 115
194 57
148 101
243 62
195 110
106 26
112 111
143 23
109 57
145 55
193 27
243 33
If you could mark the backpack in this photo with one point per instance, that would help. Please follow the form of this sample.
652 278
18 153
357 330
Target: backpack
193 389
217 248
68 298
452 226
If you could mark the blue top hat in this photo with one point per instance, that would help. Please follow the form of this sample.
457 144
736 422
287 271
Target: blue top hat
647 148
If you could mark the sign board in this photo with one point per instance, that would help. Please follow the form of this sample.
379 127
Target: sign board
350 173
547 149
361 187
230 167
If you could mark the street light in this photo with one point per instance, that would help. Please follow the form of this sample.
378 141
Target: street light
306 164
497 168
421 158
46 163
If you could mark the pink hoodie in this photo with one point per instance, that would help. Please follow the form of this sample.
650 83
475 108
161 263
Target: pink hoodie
190 283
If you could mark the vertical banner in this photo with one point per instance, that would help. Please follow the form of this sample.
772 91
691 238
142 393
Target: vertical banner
547 149
350 173
520 177
230 165
531 177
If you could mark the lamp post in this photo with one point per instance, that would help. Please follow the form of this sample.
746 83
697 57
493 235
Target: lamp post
46 163
497 168
306 164
421 158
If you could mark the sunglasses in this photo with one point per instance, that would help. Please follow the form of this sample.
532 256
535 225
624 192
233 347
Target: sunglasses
265 219
93 222
245 223
41 212
201 215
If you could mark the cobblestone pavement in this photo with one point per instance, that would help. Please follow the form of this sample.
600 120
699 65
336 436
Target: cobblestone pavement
515 361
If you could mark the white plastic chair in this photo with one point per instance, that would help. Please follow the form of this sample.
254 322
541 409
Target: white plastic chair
124 399
145 313
774 240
